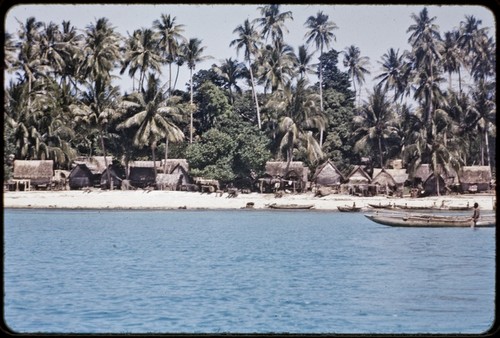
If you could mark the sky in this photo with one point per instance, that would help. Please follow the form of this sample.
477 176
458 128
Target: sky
372 28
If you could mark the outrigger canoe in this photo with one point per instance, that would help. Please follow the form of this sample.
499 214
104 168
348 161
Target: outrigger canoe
431 221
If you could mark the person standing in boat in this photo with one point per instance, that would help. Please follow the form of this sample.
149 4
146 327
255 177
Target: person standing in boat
475 214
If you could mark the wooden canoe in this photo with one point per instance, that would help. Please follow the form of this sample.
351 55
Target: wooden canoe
381 206
430 221
348 208
290 206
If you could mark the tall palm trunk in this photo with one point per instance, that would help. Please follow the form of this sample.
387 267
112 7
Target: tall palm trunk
154 158
191 108
380 152
166 155
321 95
108 175
254 93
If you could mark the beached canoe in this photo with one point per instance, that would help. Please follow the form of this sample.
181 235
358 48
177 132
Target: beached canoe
381 206
290 206
349 208
430 221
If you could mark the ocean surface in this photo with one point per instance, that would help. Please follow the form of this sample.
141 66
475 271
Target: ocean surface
242 271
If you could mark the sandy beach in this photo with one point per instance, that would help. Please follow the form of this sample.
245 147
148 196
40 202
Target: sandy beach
156 199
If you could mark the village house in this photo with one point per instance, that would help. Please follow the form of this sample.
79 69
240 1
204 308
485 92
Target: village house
474 179
358 183
35 174
389 181
285 176
175 175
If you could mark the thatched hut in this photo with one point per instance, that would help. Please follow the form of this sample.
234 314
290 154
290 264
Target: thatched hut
475 179
432 184
358 183
81 177
327 175
34 173
113 175
389 181
176 177
284 176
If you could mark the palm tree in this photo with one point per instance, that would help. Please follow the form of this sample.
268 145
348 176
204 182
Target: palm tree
321 32
427 46
395 72
452 56
376 123
273 22
170 40
356 65
278 65
101 53
249 40
304 62
230 71
192 52
300 116
152 116
141 54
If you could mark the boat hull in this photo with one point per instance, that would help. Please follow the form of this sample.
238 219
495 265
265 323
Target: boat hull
349 209
291 206
427 221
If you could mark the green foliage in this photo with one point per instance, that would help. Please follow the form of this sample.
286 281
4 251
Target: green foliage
333 78
232 149
212 105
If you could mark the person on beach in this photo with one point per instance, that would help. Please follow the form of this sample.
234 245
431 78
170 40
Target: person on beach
475 214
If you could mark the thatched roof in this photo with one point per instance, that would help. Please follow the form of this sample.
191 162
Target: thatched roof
285 170
328 174
424 171
145 164
358 176
475 174
399 176
33 170
167 179
96 164
172 164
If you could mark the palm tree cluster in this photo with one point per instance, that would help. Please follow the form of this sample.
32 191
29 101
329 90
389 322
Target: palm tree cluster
64 101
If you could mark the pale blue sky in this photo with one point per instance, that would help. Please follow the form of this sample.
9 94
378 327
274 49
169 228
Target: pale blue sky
372 28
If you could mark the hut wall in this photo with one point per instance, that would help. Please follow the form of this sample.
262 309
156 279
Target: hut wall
141 177
80 177
114 177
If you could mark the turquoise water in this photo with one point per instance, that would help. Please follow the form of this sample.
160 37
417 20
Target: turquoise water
186 271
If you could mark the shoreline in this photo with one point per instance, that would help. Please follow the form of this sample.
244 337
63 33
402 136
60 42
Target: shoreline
180 200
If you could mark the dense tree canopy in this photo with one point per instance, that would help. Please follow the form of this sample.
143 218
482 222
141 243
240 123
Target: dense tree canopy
433 103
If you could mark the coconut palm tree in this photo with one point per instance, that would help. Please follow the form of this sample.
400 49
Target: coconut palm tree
277 65
304 60
452 56
192 52
426 49
248 38
300 117
101 54
376 123
395 73
152 116
356 65
273 22
321 32
142 54
231 71
170 41
10 52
